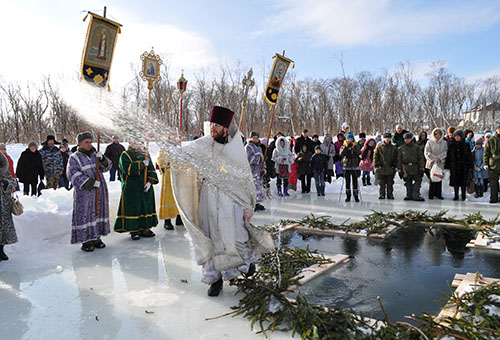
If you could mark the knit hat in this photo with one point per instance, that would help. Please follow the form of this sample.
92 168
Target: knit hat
317 147
33 143
497 125
345 126
459 133
254 133
362 135
387 135
315 136
479 141
488 134
115 136
222 116
451 129
408 135
84 135
349 135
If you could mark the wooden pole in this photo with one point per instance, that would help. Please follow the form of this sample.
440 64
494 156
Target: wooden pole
268 137
104 11
97 174
150 87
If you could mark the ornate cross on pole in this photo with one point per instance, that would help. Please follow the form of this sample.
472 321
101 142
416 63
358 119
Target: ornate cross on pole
248 83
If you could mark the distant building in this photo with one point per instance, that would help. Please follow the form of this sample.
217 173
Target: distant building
481 117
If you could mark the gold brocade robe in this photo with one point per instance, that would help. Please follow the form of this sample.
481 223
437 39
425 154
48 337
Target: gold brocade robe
168 207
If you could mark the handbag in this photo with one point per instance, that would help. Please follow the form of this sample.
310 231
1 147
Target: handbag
17 206
437 174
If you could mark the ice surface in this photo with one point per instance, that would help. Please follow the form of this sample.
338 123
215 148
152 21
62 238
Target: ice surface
50 289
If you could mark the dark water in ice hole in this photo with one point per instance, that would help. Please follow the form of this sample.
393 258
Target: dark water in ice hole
407 270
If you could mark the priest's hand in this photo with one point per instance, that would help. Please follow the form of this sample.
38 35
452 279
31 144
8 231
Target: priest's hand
146 162
99 155
147 186
247 214
97 184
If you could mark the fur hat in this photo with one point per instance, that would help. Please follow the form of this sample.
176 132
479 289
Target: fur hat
497 125
222 116
408 135
33 143
451 129
317 147
51 137
387 135
459 133
254 133
84 135
480 141
362 135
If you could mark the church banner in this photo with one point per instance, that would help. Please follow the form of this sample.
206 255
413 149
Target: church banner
98 50
278 71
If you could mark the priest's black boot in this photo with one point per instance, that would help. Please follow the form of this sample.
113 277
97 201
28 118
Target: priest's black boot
178 220
3 256
215 288
168 224
146 233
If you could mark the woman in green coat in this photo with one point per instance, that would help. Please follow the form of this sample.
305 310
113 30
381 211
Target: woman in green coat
137 209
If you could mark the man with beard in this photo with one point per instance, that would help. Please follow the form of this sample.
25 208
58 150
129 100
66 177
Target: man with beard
216 199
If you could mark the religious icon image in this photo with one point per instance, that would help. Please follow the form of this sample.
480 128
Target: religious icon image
102 47
150 69
279 72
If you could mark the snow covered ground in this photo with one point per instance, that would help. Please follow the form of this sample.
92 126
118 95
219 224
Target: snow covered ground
50 289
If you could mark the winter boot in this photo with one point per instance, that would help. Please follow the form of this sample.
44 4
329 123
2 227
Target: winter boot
99 244
364 181
215 288
168 224
416 193
285 189
356 197
251 271
348 195
147 233
3 257
259 207
464 193
135 236
178 220
438 192
87 246
409 189
481 191
368 181
476 194
455 198
280 193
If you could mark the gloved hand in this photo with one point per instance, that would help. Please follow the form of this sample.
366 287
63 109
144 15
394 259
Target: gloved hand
89 185
247 214
146 162
486 167
477 169
263 172
97 184
421 172
147 186
99 155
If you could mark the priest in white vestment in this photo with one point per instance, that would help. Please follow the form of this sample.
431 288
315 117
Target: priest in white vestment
217 203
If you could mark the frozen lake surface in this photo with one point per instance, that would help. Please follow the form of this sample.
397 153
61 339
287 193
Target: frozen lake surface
50 289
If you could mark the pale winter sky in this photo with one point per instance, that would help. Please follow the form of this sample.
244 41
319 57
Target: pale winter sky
46 37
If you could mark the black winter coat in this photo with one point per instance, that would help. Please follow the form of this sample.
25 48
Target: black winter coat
29 167
269 162
319 162
304 163
301 140
459 162
113 152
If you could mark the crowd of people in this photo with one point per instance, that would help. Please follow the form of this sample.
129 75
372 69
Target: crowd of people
218 220
473 163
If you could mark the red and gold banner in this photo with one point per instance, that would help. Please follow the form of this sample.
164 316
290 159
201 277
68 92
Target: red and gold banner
278 72
98 50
